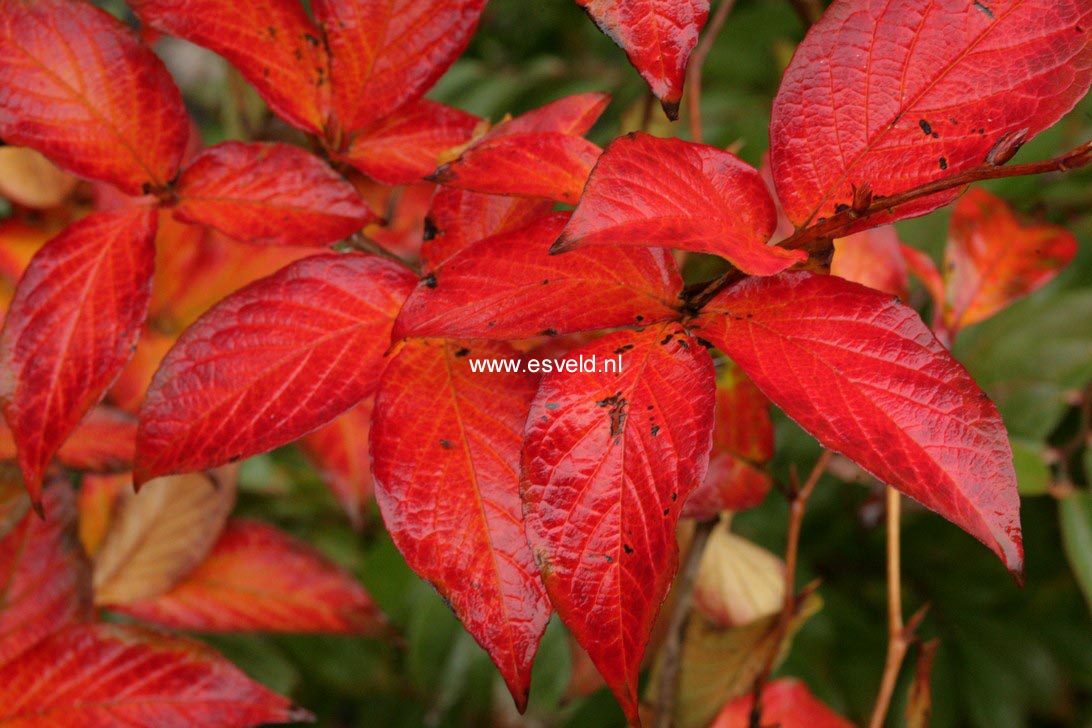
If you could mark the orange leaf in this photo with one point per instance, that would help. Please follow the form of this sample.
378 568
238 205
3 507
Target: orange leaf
992 259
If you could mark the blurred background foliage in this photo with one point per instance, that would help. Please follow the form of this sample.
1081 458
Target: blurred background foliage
1007 656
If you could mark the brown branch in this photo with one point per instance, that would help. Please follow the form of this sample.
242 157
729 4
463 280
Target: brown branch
798 501
809 11
899 635
818 238
697 61
667 690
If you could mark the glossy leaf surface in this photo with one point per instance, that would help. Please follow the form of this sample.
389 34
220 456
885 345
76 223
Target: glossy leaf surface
671 193
271 42
72 326
269 193
992 259
867 378
257 578
102 675
386 53
446 448
609 459
894 94
544 164
404 147
155 537
573 115
509 287
45 584
657 36
78 86
307 343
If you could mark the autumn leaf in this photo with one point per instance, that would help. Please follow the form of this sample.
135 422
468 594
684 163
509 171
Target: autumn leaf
458 218
404 147
551 165
743 443
80 88
97 676
867 378
29 179
509 287
387 53
787 703
307 343
272 43
572 115
873 258
446 446
608 460
269 193
45 583
339 452
157 536
72 326
103 442
896 94
257 578
656 192
657 36
992 259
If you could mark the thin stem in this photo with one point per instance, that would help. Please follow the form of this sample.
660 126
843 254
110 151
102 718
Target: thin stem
817 238
798 501
898 637
672 649
697 61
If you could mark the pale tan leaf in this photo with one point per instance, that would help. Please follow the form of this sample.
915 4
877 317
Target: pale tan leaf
29 179
160 534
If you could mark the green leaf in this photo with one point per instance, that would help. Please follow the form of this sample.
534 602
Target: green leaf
1032 472
1075 517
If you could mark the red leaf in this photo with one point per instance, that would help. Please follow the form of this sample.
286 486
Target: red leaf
340 453
786 703
667 192
102 675
992 259
864 375
897 93
269 193
258 579
272 42
458 218
386 53
925 269
445 444
102 443
80 88
306 344
608 461
539 164
743 442
873 258
403 148
573 115
45 581
657 36
73 324
509 287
